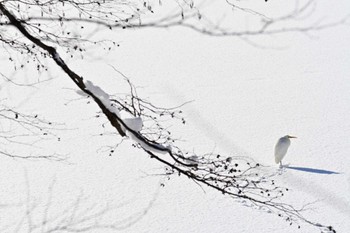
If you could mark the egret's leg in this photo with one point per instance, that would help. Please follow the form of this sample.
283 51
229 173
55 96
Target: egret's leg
281 164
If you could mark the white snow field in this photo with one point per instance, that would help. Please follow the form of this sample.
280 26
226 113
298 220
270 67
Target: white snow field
244 99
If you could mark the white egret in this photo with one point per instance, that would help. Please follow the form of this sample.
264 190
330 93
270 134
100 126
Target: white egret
281 148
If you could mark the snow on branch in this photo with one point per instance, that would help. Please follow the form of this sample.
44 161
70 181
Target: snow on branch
239 178
102 96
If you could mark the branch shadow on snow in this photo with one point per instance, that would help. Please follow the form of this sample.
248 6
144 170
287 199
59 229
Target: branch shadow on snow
311 170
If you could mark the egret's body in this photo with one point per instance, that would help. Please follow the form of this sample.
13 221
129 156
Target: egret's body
281 148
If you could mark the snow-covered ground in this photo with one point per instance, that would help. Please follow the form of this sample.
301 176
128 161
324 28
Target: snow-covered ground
245 98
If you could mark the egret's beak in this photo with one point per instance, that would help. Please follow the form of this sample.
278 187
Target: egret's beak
291 136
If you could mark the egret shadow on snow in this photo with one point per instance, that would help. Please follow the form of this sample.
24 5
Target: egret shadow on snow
312 170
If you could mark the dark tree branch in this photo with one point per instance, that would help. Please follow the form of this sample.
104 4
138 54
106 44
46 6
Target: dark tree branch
238 178
55 56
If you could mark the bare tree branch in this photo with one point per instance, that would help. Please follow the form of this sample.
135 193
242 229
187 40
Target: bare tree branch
238 178
24 130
